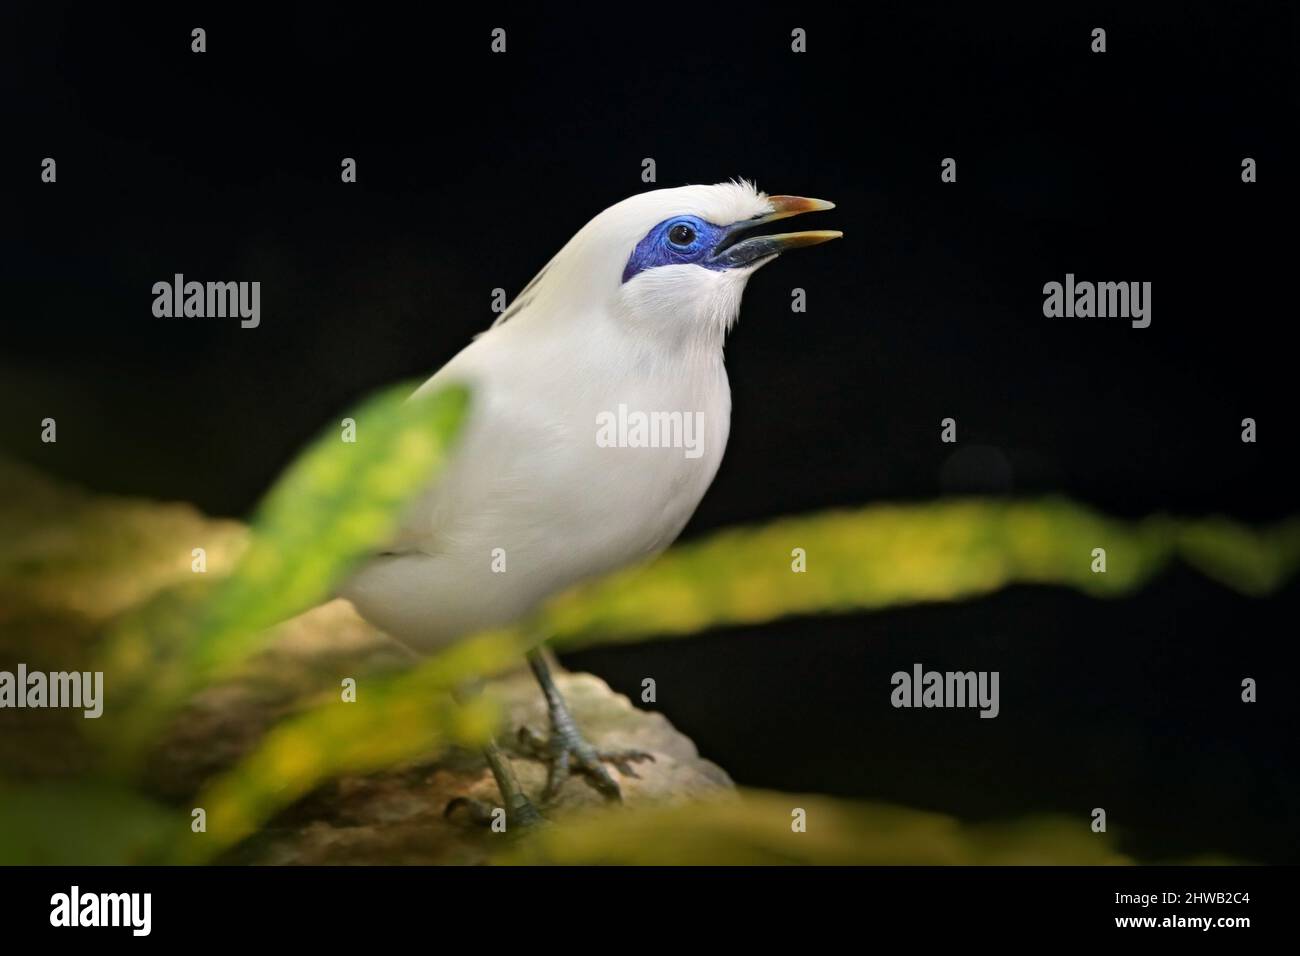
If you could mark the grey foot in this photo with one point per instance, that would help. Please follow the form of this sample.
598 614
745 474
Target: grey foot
522 816
567 752
520 813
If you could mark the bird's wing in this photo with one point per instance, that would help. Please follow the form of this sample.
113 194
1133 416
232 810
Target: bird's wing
521 300
482 473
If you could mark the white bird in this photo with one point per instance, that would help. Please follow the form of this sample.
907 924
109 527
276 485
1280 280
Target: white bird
619 337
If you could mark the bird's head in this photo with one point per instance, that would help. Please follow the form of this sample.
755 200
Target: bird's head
670 265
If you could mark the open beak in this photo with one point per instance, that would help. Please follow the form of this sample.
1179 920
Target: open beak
730 253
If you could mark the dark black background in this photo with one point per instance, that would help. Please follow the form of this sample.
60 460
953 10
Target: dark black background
474 168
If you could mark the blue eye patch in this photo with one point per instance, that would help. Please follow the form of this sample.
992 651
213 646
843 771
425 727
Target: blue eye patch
681 240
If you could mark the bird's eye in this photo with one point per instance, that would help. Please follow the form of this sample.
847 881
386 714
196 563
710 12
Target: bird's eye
681 235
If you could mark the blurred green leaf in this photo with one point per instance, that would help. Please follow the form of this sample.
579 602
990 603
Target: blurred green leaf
861 559
401 718
83 824
335 504
304 540
1252 562
887 555
756 829
857 560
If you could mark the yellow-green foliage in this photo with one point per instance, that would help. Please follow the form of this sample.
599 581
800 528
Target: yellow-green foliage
757 828
90 823
857 560
410 716
338 501
884 555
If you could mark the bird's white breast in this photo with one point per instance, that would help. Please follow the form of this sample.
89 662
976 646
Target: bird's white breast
531 502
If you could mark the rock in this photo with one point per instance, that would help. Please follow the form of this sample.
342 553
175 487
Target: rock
397 817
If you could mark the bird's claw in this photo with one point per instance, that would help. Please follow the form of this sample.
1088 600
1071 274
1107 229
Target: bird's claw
567 753
523 816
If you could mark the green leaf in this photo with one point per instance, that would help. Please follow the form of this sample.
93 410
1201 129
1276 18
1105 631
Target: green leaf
392 720
86 823
859 560
888 555
757 828
334 505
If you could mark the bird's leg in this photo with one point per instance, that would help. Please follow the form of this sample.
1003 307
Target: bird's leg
520 811
567 751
